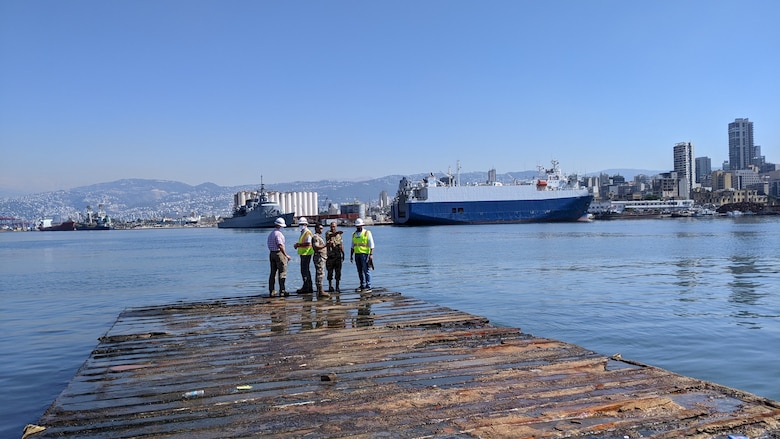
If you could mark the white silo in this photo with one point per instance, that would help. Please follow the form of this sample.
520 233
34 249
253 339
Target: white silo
294 205
304 204
309 196
285 202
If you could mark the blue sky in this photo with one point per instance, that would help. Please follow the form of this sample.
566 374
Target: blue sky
226 91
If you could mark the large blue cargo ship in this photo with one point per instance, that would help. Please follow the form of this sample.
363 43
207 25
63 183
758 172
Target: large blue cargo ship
434 201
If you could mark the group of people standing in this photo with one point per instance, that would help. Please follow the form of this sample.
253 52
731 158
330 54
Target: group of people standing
326 252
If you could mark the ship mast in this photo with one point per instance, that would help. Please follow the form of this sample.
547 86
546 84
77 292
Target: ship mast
263 198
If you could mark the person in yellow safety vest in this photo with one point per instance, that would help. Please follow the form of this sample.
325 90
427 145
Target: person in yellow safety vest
363 253
305 251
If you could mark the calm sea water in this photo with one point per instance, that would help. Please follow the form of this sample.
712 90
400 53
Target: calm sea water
700 297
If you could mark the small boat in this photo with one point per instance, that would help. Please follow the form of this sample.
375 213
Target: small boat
551 198
703 212
192 219
682 214
256 213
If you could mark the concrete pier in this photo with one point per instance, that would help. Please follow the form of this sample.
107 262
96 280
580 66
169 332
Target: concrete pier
368 366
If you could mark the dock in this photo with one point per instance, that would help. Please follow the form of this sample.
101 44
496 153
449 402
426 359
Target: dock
379 365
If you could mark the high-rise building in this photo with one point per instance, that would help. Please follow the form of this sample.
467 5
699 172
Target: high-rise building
685 167
742 151
703 168
384 200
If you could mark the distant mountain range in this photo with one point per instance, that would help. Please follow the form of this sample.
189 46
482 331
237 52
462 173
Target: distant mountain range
132 199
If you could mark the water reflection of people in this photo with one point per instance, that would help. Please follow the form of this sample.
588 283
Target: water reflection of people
306 319
279 320
364 316
336 318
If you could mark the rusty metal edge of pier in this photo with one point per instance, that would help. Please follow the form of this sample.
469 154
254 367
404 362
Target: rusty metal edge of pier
374 365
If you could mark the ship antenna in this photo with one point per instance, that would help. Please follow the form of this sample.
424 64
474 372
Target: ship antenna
262 198
457 172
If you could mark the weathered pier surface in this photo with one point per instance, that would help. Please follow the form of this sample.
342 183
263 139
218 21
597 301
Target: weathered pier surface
380 365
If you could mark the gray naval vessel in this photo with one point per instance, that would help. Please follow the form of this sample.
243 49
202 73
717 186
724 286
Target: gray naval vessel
256 213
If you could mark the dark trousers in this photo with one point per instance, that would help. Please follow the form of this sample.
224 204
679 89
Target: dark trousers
333 264
306 273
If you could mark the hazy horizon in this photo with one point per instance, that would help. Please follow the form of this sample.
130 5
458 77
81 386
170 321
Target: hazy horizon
629 174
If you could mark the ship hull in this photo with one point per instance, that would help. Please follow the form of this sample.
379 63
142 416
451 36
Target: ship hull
254 221
557 209
67 226
83 227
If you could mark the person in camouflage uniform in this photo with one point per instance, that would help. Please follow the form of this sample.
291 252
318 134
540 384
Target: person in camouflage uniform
320 258
335 256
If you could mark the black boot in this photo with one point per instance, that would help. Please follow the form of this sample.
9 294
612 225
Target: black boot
283 291
338 290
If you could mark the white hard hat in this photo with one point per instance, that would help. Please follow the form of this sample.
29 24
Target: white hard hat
280 222
303 220
358 222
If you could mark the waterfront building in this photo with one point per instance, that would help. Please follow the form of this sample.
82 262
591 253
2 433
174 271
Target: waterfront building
746 178
721 180
672 205
742 151
758 160
729 196
356 208
774 183
703 166
592 183
636 207
685 167
666 186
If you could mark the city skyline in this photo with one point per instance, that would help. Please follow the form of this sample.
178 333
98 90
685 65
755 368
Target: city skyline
204 91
